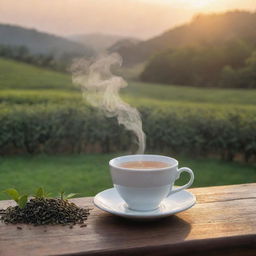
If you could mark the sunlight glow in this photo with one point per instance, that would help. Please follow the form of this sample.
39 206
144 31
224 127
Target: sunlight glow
193 4
188 4
200 3
133 18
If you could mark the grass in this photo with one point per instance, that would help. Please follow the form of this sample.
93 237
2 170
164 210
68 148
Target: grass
46 83
89 174
61 97
17 75
191 94
29 96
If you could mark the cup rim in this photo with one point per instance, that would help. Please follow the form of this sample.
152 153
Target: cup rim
111 163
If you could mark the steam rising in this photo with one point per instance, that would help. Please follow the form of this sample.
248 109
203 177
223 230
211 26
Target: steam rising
101 89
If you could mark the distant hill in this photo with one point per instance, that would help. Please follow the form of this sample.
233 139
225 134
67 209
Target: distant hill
99 42
40 43
202 30
128 42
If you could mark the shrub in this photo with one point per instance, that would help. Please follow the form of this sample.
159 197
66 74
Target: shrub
192 129
244 77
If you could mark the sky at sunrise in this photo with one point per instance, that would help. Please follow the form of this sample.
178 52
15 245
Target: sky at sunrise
138 18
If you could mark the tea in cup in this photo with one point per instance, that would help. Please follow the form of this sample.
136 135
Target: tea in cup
143 181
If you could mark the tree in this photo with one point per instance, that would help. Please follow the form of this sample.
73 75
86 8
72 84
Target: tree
204 66
244 77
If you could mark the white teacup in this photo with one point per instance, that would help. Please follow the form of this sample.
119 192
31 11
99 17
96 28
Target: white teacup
144 189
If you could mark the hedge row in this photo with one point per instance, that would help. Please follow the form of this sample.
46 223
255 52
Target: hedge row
30 97
74 128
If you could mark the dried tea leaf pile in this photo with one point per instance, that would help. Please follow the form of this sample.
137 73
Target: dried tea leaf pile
42 211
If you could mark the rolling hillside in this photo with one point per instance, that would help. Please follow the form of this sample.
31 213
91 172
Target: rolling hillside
41 111
203 29
40 43
21 82
99 42
18 75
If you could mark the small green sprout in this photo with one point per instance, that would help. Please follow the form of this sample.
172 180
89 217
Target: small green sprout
21 200
66 197
41 193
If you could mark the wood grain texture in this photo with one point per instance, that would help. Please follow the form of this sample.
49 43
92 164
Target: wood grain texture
223 222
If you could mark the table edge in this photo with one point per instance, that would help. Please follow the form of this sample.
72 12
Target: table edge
197 245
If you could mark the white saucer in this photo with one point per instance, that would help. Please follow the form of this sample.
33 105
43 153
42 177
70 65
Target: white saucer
110 201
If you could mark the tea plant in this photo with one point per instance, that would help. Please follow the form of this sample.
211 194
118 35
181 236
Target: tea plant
20 199
193 129
42 210
66 197
41 193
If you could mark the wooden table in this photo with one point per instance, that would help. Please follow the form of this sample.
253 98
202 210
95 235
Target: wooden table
223 222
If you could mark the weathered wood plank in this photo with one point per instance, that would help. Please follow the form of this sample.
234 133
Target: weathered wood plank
223 222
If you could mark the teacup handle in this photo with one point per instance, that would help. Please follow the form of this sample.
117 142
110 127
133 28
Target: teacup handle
183 169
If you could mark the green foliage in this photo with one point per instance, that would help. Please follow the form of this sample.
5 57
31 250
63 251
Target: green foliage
194 129
29 97
21 200
202 66
19 75
244 77
88 174
63 196
203 30
183 120
41 193
138 91
13 193
21 53
25 84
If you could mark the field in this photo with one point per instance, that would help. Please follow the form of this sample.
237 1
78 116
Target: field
33 100
89 174
15 75
26 79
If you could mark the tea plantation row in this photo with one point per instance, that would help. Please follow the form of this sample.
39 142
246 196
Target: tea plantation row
41 111
72 127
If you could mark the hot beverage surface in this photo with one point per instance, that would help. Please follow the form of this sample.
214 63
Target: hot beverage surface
144 165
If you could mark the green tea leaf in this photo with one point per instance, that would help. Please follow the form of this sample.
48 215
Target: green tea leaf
62 195
13 193
22 201
46 194
70 195
39 193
